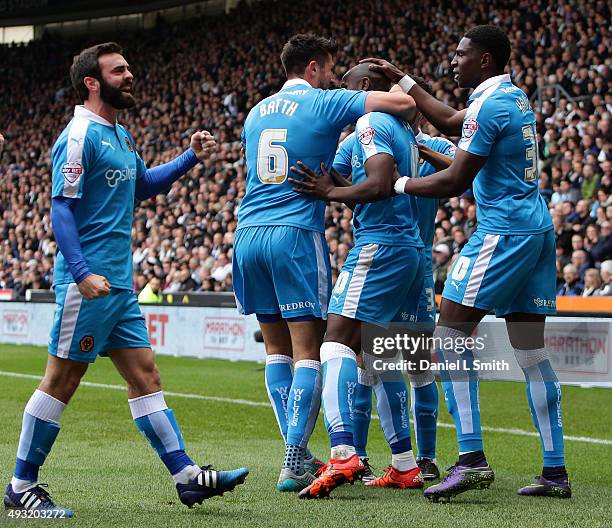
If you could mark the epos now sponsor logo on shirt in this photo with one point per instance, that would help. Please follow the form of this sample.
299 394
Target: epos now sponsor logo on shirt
115 176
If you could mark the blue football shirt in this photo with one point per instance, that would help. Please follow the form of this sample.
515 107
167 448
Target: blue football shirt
428 207
299 123
500 124
393 221
95 162
343 161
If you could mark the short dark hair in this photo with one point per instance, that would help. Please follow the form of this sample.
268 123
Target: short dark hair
303 48
86 64
493 40
423 84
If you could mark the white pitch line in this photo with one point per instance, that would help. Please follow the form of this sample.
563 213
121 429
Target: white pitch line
234 401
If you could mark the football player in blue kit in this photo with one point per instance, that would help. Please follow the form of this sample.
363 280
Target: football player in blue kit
509 262
387 246
281 269
97 175
436 154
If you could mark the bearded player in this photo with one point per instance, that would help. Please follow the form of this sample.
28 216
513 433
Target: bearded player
97 175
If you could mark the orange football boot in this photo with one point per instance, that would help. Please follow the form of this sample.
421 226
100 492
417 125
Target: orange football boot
334 474
393 478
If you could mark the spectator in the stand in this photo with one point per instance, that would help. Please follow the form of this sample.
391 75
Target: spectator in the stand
151 293
600 243
592 283
545 189
441 263
606 278
563 235
470 223
566 193
577 242
589 181
459 239
222 268
571 286
582 218
580 260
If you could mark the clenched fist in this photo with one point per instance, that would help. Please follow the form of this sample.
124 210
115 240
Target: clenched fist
94 286
203 144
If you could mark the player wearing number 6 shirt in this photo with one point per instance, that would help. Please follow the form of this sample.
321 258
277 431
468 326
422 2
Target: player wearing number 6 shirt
509 262
281 269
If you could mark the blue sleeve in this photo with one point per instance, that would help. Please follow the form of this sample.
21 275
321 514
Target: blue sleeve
153 181
444 146
71 158
374 136
342 107
67 237
481 126
344 156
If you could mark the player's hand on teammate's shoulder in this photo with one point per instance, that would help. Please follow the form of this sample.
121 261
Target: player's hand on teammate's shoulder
317 186
203 144
390 71
94 286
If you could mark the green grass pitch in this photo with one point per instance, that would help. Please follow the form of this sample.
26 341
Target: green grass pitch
103 469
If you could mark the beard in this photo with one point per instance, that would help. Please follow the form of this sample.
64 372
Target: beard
115 97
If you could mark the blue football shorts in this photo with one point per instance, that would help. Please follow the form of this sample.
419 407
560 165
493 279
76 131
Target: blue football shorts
83 330
379 284
508 273
281 270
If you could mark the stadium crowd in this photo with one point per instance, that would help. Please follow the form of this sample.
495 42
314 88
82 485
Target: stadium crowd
185 238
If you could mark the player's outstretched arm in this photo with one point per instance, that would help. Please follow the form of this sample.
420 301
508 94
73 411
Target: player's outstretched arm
438 160
377 186
446 119
451 181
157 179
66 235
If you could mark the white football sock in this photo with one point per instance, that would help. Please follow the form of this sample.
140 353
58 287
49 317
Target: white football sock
19 486
342 452
403 461
187 474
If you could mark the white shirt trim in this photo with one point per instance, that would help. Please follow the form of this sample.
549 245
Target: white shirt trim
504 77
81 111
296 82
421 136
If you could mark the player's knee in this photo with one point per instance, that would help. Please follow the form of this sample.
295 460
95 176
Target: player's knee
63 383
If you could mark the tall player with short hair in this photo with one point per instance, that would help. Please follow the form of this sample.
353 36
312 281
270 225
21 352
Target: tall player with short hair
281 269
97 175
508 263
